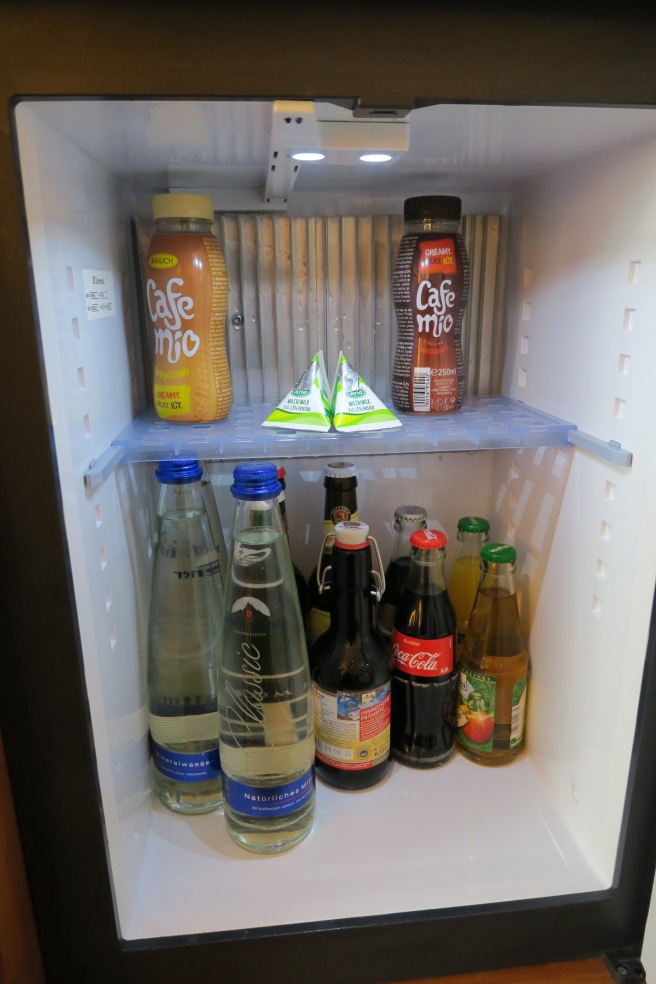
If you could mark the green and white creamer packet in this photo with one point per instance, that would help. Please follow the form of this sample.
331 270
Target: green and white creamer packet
306 406
355 405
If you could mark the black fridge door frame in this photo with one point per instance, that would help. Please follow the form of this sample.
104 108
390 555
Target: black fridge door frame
376 59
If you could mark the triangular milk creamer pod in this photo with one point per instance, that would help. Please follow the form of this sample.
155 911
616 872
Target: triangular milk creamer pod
306 406
355 406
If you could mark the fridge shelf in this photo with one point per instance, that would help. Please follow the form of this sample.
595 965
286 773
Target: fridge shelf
482 423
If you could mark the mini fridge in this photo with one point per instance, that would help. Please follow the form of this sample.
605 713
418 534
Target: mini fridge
543 124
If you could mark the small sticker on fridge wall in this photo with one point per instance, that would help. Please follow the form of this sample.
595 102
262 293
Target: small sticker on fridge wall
99 294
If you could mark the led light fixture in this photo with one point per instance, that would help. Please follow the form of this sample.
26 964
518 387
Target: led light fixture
375 158
308 156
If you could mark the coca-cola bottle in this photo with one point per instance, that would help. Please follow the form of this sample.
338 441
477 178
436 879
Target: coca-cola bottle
351 677
407 519
425 674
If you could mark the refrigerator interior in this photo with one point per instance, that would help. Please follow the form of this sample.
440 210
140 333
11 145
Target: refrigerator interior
561 211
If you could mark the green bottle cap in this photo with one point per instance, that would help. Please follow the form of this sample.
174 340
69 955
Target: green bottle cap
473 524
498 553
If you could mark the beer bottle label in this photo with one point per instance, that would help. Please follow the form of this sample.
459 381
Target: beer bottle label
478 702
422 657
352 729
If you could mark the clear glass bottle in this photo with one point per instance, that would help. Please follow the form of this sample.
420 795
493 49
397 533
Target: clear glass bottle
301 585
266 724
407 519
351 676
425 675
473 533
431 290
340 505
493 665
184 631
186 288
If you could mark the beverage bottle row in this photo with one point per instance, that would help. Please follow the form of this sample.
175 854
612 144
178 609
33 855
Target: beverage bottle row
234 710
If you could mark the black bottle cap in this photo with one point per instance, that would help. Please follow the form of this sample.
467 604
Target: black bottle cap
432 207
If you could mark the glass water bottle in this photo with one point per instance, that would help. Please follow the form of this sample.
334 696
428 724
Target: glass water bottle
186 614
265 703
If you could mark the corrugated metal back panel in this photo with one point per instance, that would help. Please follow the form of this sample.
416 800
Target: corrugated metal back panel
298 285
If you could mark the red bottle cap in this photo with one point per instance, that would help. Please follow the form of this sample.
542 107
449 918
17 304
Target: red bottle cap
428 539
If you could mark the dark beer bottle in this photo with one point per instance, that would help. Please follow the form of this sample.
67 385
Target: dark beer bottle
351 677
425 674
341 505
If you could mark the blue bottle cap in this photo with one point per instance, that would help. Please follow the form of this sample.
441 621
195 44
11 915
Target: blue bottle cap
256 480
179 472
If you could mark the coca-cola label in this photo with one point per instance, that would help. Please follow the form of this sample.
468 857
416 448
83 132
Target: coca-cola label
422 657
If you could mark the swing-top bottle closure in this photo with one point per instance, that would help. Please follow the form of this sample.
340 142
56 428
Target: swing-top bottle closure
353 535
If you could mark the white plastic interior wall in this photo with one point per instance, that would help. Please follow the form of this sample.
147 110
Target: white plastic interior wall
576 191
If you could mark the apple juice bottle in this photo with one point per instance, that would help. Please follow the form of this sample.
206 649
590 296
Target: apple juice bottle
493 665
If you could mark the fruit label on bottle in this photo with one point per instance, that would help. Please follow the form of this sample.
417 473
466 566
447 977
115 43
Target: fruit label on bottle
352 729
431 286
476 708
422 657
186 766
186 301
269 801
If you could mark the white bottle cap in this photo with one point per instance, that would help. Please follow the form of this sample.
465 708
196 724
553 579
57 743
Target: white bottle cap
351 533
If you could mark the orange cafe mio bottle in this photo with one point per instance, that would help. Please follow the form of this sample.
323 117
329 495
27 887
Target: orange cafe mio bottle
186 288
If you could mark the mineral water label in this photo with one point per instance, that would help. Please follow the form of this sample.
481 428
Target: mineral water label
352 729
186 766
269 801
422 657
477 700
176 728
430 287
186 301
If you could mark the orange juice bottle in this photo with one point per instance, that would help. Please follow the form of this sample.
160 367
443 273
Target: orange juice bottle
473 533
186 288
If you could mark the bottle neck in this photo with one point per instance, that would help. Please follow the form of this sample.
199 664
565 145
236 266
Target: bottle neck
402 541
426 575
351 602
497 580
256 514
186 497
184 226
470 544
340 492
432 225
